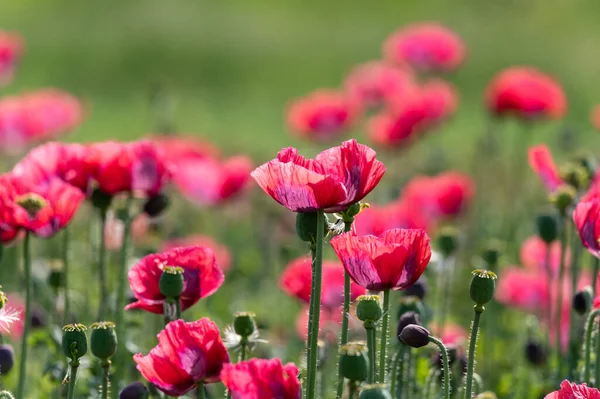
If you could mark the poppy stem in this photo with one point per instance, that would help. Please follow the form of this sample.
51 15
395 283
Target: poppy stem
105 378
102 267
564 234
315 308
200 390
589 329
597 380
472 347
408 377
445 364
596 269
352 390
177 308
394 375
548 268
401 373
243 352
573 339
384 336
74 366
429 382
65 276
23 364
371 344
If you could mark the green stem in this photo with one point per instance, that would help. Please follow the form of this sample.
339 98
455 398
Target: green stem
74 365
311 306
472 347
384 336
573 339
371 344
559 303
65 259
597 371
243 352
200 390
24 347
409 368
177 308
102 280
315 310
345 315
445 364
394 371
105 378
400 376
352 390
429 382
596 269
549 279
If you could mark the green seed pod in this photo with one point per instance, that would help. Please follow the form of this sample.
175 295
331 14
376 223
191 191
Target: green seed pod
55 278
368 309
101 200
491 253
103 340
547 227
171 281
582 301
375 391
574 175
6 395
244 324
482 287
415 336
156 205
486 395
563 198
447 240
410 304
306 226
354 364
74 341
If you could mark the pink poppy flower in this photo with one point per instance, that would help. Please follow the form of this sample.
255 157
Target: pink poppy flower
222 253
570 390
523 289
543 165
11 49
587 220
533 254
262 379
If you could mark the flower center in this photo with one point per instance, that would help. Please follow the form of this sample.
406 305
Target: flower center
32 203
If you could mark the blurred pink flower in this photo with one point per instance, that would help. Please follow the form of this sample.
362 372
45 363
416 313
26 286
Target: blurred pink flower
113 232
11 49
16 310
523 289
542 164
222 253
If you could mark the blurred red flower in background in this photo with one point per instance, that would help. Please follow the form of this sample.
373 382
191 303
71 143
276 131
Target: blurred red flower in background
222 254
376 219
440 99
11 49
177 147
587 220
337 178
427 47
595 117
201 273
523 289
542 164
534 251
186 354
526 93
322 115
570 390
261 379
392 260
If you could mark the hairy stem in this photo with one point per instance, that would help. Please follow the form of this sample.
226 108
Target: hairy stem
472 347
384 336
27 321
445 364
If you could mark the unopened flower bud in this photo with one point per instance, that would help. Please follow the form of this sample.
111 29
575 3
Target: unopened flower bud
137 390
171 281
306 226
74 341
491 253
368 309
535 353
100 200
447 240
574 175
7 359
55 278
407 319
482 287
354 364
547 227
3 298
103 339
154 206
375 391
563 198
6 395
415 336
418 289
582 301
244 324
410 304
486 395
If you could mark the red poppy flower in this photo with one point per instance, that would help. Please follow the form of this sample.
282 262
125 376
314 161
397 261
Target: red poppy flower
587 219
262 379
202 277
426 47
209 181
540 160
392 260
322 115
11 49
334 180
186 354
222 254
296 280
372 84
137 167
523 289
440 101
526 93
398 214
534 251
177 147
570 390
595 117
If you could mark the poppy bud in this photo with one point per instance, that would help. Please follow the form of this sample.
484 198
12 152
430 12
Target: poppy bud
100 200
563 198
6 395
156 205
418 289
582 301
407 319
137 390
74 341
103 339
38 317
375 391
368 309
535 353
352 211
574 175
588 163
486 395
547 227
3 298
482 287
171 281
415 336
491 253
306 226
55 278
354 363
447 240
7 359
244 324
410 304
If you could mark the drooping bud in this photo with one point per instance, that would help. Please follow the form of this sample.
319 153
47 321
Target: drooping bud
56 277
407 319
306 226
410 304
368 309
171 281
447 240
7 359
103 339
547 227
418 289
415 336
354 364
582 301
6 395
74 341
563 198
137 390
535 353
244 324
100 200
156 205
491 253
375 391
482 287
